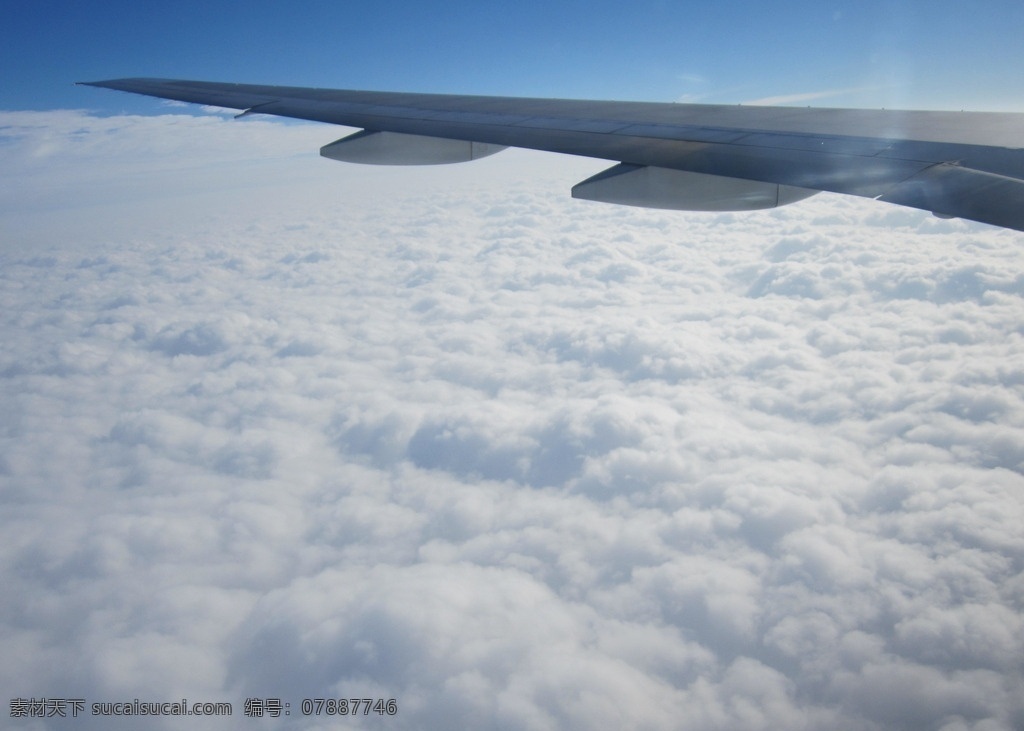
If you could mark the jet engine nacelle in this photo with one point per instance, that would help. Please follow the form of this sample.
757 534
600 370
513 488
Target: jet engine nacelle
394 148
654 187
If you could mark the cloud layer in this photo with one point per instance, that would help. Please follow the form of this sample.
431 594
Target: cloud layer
280 427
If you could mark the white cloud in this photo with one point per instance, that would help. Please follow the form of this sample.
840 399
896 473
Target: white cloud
279 426
807 96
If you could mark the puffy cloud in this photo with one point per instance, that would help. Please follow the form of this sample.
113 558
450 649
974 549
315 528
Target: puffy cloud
276 426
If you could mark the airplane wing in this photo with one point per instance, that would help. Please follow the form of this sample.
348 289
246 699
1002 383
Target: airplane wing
683 156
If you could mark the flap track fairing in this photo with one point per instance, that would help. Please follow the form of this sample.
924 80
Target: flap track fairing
393 148
654 187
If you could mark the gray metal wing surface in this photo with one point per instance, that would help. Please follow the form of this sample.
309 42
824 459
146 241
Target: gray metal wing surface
706 157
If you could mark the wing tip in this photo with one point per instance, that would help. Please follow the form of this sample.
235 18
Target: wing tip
125 84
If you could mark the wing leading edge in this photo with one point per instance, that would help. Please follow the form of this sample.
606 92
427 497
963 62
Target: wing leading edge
689 156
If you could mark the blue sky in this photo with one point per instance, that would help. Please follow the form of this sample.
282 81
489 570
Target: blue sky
910 54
